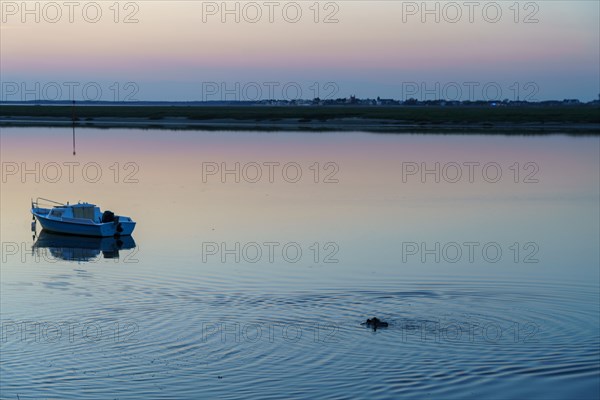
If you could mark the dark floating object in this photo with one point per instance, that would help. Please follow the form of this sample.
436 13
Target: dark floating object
375 323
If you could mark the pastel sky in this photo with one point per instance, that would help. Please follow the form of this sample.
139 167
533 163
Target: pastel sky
194 50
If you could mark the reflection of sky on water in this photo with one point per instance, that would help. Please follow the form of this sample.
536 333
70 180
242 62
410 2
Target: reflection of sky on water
174 282
369 213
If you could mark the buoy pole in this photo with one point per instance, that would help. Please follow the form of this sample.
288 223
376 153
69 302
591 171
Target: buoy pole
73 118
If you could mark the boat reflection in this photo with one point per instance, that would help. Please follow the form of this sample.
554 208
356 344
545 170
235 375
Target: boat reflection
81 248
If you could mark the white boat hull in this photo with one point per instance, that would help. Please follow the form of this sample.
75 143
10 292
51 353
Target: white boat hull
74 226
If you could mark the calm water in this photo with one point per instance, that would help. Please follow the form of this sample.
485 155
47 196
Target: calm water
257 288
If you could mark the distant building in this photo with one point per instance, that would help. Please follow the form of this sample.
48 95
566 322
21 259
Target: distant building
387 102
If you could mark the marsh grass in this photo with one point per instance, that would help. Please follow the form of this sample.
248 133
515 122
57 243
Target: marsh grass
582 114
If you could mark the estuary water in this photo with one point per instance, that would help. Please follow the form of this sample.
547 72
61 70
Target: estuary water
257 256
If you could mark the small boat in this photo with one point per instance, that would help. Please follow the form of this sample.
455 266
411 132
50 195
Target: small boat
83 219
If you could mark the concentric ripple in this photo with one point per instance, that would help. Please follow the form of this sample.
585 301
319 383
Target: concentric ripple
443 340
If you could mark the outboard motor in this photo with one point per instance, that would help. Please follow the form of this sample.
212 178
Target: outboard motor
119 226
108 216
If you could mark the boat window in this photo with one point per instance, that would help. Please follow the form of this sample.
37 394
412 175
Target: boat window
57 213
84 212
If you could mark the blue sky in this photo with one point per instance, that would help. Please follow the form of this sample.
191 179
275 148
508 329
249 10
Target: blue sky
182 50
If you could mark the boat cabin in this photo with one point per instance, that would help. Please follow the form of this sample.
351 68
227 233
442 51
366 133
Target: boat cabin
77 211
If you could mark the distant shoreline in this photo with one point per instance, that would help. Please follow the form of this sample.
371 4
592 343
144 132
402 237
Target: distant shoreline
581 119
